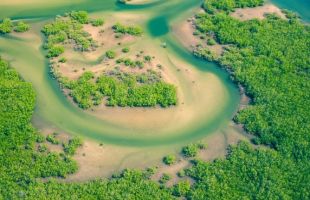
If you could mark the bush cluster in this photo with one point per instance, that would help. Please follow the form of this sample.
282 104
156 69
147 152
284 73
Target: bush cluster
122 89
7 26
67 30
131 30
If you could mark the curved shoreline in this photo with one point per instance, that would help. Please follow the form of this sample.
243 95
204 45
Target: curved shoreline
53 109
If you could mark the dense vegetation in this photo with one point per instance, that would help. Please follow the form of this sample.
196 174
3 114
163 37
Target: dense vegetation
270 58
169 160
212 6
122 89
68 30
23 160
7 26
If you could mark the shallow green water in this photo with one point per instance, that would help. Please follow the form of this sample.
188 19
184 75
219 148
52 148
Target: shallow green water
54 109
302 7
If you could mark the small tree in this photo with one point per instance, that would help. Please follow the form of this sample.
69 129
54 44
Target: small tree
72 146
52 139
110 54
125 50
80 16
147 58
97 22
164 178
6 26
21 27
55 51
169 160
190 150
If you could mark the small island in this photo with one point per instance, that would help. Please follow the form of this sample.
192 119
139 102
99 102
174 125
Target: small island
112 72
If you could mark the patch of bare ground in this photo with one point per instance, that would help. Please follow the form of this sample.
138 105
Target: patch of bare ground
98 160
184 31
259 12
216 149
94 60
62 138
172 171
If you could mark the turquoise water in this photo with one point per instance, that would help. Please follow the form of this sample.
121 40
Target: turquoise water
302 7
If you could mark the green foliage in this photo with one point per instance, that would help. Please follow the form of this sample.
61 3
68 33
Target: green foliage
274 76
169 160
72 146
211 42
130 63
164 178
80 16
229 5
83 90
42 148
21 164
147 58
181 189
52 139
190 150
21 27
204 53
110 54
128 185
55 51
122 89
131 30
125 50
248 174
62 60
40 139
270 58
6 26
97 22
202 145
181 173
67 30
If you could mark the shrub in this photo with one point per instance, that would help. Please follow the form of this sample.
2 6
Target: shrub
55 51
169 160
131 30
164 178
190 150
80 16
110 54
42 148
52 139
71 147
211 42
181 173
181 189
21 27
125 50
62 60
97 22
147 58
6 26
